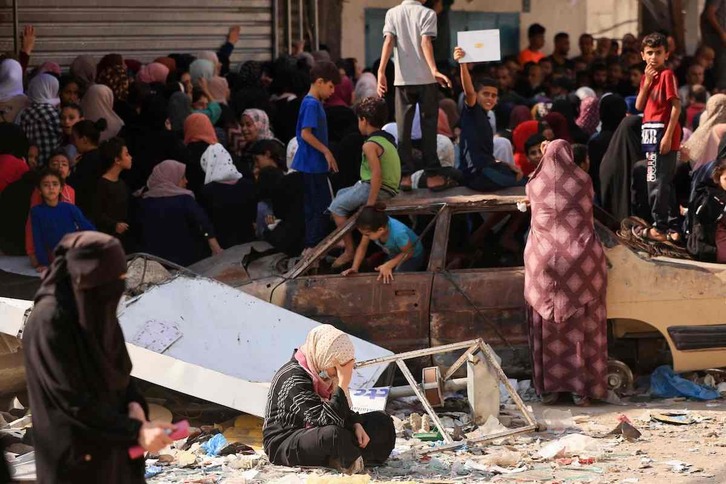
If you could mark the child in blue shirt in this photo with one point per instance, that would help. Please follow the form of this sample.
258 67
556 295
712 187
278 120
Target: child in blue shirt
401 244
53 219
313 157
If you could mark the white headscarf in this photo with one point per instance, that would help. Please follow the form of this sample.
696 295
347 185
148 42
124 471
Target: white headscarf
366 86
585 92
218 165
700 146
290 153
43 89
201 68
97 103
11 79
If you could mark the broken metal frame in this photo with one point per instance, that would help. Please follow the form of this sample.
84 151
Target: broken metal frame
471 347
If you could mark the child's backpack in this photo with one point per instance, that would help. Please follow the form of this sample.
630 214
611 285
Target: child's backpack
705 212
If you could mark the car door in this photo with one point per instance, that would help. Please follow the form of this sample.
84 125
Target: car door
483 303
394 316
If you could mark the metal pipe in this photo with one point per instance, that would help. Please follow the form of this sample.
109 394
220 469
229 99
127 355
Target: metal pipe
289 26
301 20
316 16
418 353
16 28
450 386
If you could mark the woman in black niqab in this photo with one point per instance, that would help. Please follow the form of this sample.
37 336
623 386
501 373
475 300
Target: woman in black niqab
87 412
616 167
612 111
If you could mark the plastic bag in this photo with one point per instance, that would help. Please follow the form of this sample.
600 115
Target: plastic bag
573 445
665 383
215 445
557 421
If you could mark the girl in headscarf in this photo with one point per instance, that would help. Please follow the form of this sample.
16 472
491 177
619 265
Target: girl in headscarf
589 116
366 87
169 62
228 199
624 151
116 78
201 68
12 99
308 420
173 225
212 57
97 103
153 73
566 108
702 146
109 60
559 126
519 115
199 134
612 111
180 107
565 281
83 69
219 89
41 121
87 411
255 126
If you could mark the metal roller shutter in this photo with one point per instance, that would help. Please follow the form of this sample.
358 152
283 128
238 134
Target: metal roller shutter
139 29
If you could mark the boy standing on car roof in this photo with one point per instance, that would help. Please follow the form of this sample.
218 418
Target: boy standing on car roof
481 170
661 136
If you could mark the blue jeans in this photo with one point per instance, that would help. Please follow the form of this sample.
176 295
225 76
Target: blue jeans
317 199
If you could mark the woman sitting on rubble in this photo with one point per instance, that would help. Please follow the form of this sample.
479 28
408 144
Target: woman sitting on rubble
87 411
308 420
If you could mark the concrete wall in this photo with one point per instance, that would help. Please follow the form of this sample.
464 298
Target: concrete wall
607 17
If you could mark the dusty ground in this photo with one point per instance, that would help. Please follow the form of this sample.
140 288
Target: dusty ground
653 458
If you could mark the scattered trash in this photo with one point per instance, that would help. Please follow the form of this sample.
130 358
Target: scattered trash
215 445
491 426
673 418
152 471
503 458
677 466
721 387
626 429
665 383
646 463
572 445
557 421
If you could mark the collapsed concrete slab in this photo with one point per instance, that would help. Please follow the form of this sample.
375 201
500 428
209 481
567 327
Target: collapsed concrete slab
208 340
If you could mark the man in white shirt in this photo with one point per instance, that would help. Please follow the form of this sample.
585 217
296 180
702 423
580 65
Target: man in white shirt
410 29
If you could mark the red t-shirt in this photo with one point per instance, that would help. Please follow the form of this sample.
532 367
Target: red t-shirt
658 105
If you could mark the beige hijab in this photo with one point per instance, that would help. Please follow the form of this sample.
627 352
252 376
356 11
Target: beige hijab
698 144
326 347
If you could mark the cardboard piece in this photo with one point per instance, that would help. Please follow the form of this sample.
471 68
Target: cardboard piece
479 46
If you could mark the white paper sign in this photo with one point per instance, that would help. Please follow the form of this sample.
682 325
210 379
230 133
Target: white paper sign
366 400
479 46
157 336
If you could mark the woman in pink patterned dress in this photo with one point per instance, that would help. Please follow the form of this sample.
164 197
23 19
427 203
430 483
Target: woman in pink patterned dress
565 281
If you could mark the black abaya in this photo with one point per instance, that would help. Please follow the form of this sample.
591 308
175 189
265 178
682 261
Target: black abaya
617 166
612 112
78 370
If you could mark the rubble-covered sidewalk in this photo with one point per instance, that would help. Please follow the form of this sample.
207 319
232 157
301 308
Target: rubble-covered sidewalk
674 441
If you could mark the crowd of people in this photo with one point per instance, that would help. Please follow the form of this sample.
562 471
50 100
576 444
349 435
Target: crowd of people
187 156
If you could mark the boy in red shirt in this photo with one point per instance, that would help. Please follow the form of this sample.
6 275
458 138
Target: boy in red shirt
661 135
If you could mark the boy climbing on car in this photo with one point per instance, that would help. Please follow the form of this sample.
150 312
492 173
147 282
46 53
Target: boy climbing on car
380 171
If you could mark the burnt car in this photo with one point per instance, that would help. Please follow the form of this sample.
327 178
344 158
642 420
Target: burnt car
659 309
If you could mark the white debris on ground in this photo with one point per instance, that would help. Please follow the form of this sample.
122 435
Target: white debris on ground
596 445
